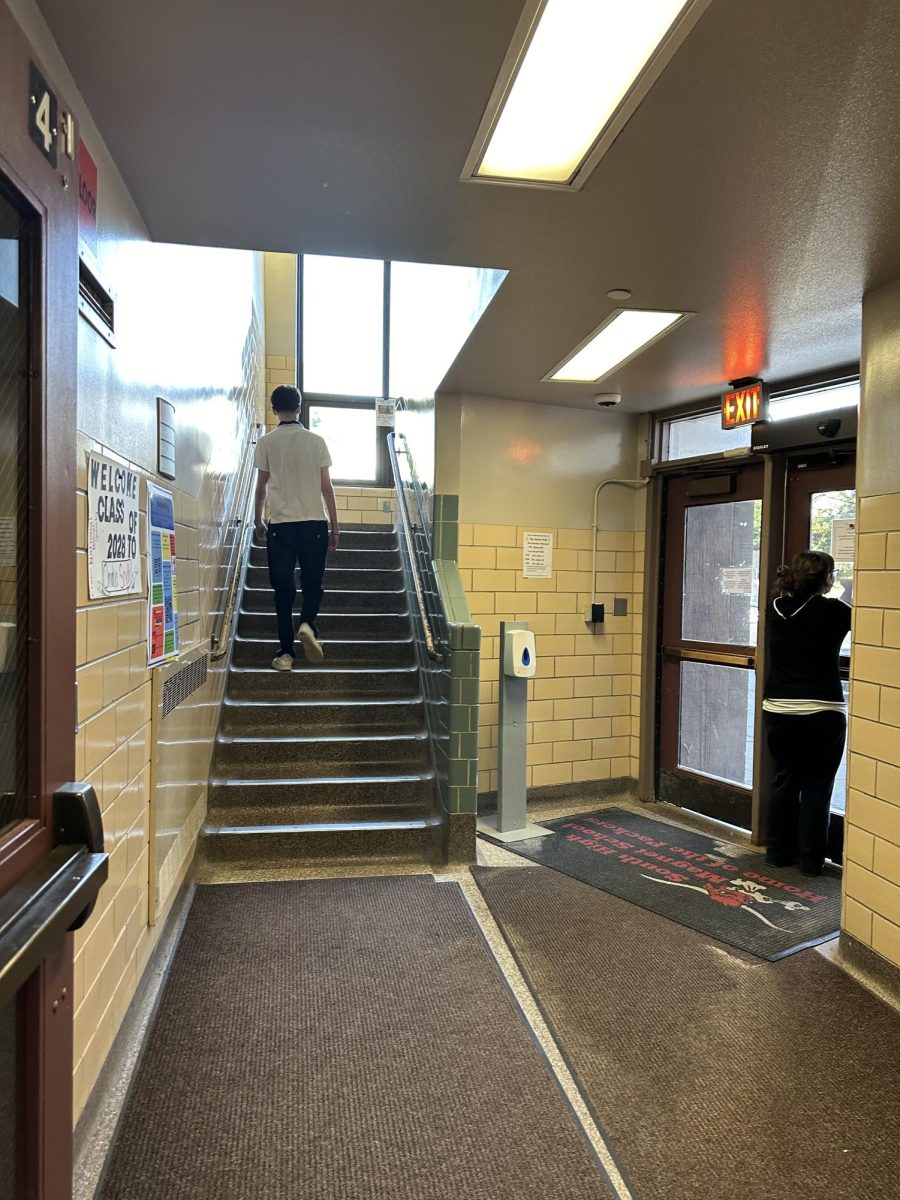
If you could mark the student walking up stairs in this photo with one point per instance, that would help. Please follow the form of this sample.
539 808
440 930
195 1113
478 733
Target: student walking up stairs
329 761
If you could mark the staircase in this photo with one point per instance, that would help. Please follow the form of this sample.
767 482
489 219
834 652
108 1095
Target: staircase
329 762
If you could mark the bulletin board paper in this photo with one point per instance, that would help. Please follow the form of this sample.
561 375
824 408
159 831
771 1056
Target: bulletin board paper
162 606
114 567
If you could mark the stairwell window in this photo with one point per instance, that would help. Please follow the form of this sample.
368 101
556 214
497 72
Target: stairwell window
350 434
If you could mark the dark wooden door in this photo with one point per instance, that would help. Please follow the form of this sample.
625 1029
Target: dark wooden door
38 319
709 624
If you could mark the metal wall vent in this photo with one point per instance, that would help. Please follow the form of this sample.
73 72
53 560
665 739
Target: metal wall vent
96 302
184 683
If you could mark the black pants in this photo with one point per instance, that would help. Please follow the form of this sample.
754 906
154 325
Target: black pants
807 752
290 543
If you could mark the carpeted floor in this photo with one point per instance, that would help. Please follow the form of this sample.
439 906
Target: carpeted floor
713 1074
341 1040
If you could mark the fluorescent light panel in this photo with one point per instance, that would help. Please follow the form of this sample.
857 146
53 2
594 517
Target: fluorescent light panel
623 335
583 60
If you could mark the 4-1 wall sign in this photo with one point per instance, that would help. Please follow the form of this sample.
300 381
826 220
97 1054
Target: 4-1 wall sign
42 115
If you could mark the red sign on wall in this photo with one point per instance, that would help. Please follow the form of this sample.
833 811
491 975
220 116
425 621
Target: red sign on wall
744 405
87 196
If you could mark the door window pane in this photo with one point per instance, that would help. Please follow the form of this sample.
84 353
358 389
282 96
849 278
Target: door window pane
350 435
715 727
343 325
830 517
14 360
721 572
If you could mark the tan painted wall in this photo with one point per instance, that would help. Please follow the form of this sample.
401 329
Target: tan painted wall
872 874
189 327
520 467
538 463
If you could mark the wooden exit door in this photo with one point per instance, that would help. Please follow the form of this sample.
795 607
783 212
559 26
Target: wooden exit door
46 881
710 615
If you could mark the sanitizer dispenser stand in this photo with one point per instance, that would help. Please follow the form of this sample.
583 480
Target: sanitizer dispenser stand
517 666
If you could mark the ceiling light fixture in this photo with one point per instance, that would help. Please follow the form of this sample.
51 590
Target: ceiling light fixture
624 334
574 74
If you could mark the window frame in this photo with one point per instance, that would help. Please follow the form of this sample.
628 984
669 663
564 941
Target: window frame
785 389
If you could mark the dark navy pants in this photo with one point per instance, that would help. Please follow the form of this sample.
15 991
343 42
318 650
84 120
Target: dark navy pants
289 544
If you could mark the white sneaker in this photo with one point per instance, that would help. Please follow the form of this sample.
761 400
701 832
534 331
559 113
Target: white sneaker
310 643
283 662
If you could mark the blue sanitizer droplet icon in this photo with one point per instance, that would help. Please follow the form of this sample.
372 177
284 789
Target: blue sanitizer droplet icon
526 657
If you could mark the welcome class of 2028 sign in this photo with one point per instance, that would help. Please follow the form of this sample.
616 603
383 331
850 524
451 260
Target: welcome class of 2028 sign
113 527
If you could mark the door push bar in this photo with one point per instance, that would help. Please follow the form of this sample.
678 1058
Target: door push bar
59 894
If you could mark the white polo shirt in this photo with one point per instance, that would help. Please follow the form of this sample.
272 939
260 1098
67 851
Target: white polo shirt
294 458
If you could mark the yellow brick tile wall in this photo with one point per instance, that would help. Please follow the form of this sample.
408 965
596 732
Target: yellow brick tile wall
872 846
113 744
584 701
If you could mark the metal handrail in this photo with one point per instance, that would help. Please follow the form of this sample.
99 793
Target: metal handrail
431 647
242 524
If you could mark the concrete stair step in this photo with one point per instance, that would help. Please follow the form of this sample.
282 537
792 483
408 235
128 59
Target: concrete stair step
247 850
352 538
328 717
271 757
344 626
383 558
410 789
259 652
319 680
337 600
354 579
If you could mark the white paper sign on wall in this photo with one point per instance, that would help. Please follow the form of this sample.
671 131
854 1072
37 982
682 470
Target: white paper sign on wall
114 567
537 556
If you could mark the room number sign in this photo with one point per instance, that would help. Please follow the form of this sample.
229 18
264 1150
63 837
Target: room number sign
42 115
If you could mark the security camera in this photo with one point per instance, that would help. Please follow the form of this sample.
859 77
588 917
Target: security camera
608 399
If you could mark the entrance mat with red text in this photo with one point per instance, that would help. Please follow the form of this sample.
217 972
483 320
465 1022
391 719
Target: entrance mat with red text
715 887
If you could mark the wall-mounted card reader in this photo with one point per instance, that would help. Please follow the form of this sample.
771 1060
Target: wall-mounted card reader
519 657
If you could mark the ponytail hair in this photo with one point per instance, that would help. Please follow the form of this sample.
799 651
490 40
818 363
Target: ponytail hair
805 576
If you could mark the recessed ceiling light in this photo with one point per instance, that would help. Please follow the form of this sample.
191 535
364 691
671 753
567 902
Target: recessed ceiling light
619 294
625 333
574 74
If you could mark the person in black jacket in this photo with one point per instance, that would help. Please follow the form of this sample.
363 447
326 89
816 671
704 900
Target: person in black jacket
806 722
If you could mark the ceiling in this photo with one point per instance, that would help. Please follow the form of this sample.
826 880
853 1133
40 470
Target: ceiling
757 185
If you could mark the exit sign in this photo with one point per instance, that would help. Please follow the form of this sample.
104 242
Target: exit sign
744 405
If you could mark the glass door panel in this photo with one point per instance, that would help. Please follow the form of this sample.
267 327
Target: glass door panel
721 573
715 722
15 336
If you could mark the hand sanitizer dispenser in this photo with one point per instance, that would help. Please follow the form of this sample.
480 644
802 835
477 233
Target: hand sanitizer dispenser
519 658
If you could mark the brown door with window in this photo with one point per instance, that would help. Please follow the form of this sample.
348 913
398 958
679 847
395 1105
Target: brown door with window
38 317
820 514
709 629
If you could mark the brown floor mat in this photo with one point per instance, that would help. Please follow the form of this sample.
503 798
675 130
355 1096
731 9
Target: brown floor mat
342 1040
713 1074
